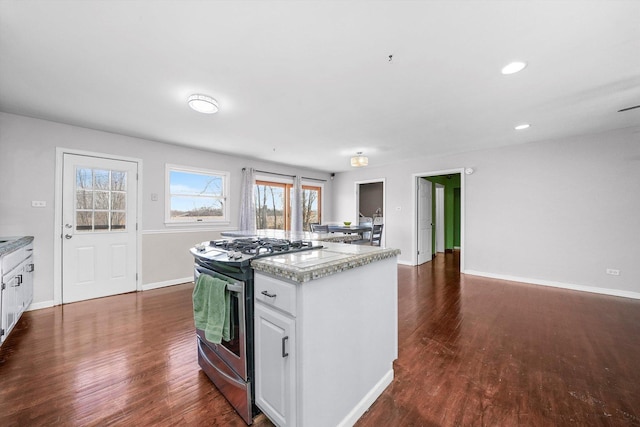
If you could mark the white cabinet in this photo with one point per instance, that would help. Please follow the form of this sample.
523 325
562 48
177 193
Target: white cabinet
17 287
324 349
275 363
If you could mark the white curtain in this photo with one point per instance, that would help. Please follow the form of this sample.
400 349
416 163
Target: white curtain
296 205
248 201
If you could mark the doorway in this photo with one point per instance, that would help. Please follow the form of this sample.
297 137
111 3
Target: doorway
371 201
448 186
97 217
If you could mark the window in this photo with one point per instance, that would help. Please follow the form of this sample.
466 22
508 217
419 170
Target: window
101 200
273 205
196 195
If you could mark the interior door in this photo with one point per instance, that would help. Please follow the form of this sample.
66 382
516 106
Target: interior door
425 225
99 237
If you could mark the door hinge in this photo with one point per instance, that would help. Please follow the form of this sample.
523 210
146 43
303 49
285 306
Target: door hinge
136 277
4 286
1 332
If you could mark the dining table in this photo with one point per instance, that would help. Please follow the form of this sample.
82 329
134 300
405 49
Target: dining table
358 228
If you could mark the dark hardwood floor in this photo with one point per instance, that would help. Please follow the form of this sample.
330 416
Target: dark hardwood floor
472 352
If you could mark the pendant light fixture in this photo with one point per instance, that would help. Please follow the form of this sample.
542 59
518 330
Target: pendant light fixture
359 160
203 104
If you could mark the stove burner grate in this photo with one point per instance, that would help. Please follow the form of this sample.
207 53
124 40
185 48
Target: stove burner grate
261 246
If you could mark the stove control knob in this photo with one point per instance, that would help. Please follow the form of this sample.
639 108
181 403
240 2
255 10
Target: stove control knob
237 255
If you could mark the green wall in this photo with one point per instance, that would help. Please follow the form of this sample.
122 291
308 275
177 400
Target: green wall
452 202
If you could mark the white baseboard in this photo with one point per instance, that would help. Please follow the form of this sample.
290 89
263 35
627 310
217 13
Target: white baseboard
550 283
40 305
156 285
405 263
366 402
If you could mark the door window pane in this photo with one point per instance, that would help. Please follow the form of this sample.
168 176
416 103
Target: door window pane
100 179
84 221
100 200
118 201
101 220
84 199
118 181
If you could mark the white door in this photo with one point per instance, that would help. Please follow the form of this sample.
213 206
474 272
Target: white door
425 226
99 211
439 218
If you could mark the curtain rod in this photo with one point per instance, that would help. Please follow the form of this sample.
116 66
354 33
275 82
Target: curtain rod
290 176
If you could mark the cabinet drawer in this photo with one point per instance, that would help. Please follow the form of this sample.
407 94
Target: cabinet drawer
12 259
275 293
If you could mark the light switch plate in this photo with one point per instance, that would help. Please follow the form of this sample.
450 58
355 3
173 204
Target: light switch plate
38 204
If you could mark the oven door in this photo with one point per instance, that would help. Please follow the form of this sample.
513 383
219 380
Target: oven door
234 351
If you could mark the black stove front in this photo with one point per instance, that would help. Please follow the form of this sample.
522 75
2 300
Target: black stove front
230 364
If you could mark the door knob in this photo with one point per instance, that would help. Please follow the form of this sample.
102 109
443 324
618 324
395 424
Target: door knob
68 236
68 226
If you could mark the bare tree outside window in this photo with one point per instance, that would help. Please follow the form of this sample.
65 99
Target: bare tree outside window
273 205
197 195
100 200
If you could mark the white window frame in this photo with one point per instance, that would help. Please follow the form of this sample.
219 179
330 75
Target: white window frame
199 171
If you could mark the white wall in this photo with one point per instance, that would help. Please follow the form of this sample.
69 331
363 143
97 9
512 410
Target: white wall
27 172
554 213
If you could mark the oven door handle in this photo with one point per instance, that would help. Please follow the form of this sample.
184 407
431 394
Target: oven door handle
234 287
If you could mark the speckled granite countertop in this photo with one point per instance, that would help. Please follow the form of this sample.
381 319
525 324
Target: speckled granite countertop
10 244
334 258
290 235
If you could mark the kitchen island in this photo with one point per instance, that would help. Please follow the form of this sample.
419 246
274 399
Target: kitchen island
325 333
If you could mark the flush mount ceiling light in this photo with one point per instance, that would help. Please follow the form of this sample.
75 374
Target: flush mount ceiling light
203 104
514 67
522 126
359 160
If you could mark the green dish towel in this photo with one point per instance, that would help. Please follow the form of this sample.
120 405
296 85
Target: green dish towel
211 308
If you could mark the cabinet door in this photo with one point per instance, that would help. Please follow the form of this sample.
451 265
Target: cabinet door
27 283
275 365
9 302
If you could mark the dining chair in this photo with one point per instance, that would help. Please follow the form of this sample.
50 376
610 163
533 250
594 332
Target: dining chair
374 239
376 234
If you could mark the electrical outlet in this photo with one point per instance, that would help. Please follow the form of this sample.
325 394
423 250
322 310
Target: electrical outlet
613 271
38 204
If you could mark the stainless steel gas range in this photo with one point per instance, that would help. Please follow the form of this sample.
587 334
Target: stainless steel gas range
230 364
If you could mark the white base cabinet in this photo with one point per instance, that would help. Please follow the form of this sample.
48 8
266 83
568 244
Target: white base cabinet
324 349
17 287
275 368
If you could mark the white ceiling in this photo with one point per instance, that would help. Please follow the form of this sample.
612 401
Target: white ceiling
309 83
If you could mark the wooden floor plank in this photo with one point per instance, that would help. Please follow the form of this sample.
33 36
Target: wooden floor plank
472 352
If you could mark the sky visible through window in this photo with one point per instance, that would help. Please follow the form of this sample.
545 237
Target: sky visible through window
196 185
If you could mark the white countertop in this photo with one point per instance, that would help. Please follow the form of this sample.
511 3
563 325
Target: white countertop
333 258
10 244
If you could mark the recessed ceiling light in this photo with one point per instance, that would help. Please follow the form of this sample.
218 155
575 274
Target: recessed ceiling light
203 104
514 67
523 126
